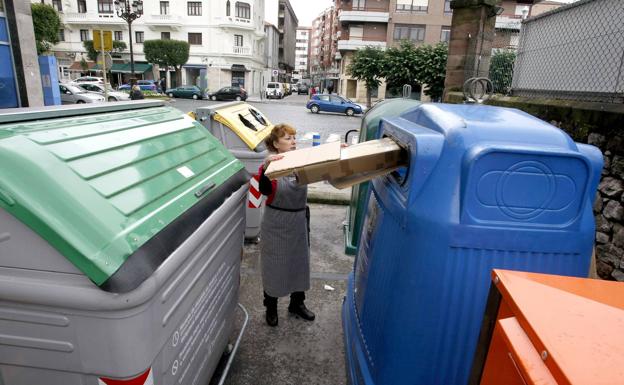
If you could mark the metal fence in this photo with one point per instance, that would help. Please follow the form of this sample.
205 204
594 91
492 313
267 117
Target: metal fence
574 52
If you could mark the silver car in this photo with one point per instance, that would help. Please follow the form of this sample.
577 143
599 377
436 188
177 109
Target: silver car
113 96
71 94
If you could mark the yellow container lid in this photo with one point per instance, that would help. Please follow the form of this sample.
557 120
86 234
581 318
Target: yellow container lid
247 122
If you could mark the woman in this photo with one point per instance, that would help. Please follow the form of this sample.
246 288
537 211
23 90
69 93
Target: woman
284 249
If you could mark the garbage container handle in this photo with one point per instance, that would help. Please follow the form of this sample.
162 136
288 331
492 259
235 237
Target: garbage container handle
204 189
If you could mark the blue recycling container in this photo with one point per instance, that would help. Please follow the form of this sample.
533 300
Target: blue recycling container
485 187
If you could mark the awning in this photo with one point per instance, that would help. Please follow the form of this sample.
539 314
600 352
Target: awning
239 67
124 68
198 66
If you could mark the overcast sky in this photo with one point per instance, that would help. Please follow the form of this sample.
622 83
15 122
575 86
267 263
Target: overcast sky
308 10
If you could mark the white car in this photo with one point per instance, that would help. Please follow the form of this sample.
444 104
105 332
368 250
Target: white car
72 94
113 96
89 79
274 90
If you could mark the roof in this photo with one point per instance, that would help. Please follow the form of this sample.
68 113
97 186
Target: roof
113 176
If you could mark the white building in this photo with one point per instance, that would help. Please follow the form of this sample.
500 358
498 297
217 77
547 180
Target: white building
227 38
302 52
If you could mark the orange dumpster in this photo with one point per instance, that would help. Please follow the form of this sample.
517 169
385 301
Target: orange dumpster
551 330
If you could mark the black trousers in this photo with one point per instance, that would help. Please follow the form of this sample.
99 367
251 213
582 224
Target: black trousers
296 298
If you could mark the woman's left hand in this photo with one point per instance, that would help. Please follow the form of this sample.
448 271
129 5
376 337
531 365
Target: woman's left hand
344 145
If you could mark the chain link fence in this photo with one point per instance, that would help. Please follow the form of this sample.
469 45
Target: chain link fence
574 52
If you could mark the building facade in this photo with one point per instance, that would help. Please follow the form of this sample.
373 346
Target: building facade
226 37
302 53
271 53
287 23
324 70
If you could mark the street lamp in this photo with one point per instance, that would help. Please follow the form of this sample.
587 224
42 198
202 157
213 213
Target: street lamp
129 12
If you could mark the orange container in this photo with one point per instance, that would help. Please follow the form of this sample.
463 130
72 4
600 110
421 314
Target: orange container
546 329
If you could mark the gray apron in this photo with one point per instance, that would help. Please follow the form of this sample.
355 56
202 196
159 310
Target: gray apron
284 249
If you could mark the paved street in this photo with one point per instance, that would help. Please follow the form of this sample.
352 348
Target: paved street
291 110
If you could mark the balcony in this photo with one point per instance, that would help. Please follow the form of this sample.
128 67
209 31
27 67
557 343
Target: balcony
92 18
173 21
236 23
364 16
355 44
242 51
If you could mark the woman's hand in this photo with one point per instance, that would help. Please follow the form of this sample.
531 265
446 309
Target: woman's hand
344 145
270 159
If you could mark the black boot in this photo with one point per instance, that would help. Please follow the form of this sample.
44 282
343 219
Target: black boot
271 309
298 307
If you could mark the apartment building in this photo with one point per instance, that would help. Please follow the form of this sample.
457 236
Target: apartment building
385 23
226 39
324 70
302 52
287 23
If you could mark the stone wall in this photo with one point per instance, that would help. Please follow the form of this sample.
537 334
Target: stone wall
609 207
601 125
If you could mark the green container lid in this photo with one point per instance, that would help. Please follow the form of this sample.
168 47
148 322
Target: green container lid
100 184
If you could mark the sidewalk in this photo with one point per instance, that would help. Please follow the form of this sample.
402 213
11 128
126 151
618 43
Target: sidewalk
322 192
297 352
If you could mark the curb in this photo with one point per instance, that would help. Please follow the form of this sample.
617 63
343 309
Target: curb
328 199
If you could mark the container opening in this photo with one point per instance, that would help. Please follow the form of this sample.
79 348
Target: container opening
258 116
246 122
400 174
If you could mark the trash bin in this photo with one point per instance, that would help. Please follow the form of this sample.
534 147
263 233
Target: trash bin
121 231
485 188
359 192
548 329
242 130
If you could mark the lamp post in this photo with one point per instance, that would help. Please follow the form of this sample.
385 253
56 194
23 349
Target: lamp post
129 12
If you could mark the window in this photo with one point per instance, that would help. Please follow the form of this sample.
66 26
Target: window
359 5
447 8
61 35
412 5
84 34
194 8
238 40
82 6
118 35
324 98
445 36
356 32
243 10
105 6
195 38
164 7
414 33
57 5
139 37
165 35
227 8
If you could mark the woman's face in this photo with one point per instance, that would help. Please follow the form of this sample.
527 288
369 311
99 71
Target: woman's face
286 143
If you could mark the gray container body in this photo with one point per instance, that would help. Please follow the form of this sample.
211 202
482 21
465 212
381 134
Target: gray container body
58 328
250 158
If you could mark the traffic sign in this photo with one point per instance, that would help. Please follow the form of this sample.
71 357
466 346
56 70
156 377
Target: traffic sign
97 40
275 72
108 60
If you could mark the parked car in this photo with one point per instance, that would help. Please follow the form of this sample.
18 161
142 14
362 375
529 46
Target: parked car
302 89
294 87
113 96
72 94
274 90
333 103
145 85
229 93
192 92
89 80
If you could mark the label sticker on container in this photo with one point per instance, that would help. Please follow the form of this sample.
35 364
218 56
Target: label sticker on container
185 171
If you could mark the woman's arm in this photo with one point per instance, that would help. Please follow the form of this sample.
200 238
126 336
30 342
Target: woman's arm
267 186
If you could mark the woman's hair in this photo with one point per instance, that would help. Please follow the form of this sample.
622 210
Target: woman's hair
277 132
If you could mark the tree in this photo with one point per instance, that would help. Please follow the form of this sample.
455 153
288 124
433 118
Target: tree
47 25
432 68
366 65
118 46
167 53
501 70
425 64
